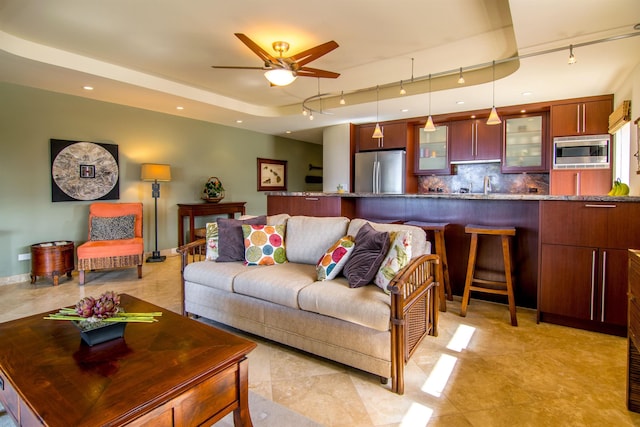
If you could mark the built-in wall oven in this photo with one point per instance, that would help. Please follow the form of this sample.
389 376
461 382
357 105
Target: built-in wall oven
581 152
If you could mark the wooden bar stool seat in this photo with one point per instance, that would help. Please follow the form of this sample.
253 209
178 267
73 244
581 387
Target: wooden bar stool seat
472 283
438 229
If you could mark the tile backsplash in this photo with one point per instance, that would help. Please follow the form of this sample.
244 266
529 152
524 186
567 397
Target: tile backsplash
470 177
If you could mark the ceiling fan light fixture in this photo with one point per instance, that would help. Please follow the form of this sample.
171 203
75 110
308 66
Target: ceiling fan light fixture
280 76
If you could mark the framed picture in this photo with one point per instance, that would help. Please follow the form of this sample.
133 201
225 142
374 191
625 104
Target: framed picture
272 175
82 170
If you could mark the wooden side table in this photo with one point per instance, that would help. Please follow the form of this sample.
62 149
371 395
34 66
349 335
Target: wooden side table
52 259
193 210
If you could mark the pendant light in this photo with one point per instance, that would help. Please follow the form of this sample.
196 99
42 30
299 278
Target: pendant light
461 78
342 101
377 132
494 119
572 57
429 126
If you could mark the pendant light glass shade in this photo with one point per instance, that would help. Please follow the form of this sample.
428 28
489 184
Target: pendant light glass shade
377 132
494 119
460 78
429 126
572 57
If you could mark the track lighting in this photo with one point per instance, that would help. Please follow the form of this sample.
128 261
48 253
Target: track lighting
311 115
494 119
460 79
572 58
304 112
429 126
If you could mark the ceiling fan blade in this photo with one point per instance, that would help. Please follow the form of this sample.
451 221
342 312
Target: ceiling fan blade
309 55
314 72
255 48
239 67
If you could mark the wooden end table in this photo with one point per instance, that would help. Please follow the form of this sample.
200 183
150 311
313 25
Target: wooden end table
52 259
176 372
193 210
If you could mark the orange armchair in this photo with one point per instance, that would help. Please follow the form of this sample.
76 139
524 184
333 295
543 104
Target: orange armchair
115 238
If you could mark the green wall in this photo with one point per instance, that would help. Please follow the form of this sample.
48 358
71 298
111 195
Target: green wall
196 150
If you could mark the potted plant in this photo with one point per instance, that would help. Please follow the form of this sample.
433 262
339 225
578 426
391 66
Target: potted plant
213 190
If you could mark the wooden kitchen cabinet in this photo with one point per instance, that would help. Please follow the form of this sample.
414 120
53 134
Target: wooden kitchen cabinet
474 140
580 182
431 157
525 143
587 117
583 264
395 137
311 205
633 356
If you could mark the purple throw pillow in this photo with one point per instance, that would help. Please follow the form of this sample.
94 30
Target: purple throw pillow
365 260
231 239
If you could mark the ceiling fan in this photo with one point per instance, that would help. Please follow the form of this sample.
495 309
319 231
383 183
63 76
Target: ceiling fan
280 70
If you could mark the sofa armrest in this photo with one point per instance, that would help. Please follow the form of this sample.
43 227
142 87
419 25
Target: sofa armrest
414 311
197 249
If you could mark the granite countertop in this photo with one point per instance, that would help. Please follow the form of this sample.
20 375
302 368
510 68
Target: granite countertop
464 196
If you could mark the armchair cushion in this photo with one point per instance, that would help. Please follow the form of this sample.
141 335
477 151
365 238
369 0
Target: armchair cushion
112 228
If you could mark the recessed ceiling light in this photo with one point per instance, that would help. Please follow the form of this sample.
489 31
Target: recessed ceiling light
87 87
404 110
459 102
238 121
179 107
526 93
288 131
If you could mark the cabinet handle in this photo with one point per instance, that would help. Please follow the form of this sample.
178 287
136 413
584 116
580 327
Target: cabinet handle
593 279
311 199
577 183
474 137
584 118
578 119
604 283
588 205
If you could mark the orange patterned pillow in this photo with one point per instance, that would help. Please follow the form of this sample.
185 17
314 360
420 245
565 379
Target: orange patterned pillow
264 244
331 263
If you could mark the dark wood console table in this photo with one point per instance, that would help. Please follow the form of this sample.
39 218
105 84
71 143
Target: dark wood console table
193 210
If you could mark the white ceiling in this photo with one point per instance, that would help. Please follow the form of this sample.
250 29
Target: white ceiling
157 55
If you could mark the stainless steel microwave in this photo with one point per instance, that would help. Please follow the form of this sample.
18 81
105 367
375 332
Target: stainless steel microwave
581 152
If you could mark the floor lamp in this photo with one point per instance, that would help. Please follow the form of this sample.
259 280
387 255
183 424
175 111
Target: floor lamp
154 172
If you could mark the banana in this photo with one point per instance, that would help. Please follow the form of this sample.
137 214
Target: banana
619 189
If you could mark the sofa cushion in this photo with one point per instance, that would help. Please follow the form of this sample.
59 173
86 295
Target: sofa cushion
368 305
396 259
364 262
230 239
278 283
309 237
218 275
419 243
112 228
331 263
264 244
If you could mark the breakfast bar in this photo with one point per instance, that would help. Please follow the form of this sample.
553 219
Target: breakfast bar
561 243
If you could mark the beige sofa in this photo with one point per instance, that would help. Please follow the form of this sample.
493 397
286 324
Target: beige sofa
362 327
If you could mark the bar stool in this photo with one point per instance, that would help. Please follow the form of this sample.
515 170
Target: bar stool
438 229
494 287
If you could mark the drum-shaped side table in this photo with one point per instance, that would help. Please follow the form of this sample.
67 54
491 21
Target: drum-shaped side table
52 259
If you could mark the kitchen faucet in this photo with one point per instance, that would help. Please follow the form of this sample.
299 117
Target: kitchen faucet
487 184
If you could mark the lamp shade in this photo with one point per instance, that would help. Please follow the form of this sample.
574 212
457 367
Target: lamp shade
155 172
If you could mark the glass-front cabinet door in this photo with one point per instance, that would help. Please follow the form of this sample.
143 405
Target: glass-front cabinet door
432 151
525 143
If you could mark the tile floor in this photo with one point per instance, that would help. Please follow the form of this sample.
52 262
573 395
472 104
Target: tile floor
479 371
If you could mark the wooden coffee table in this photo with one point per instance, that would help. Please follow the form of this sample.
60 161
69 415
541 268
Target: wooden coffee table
176 372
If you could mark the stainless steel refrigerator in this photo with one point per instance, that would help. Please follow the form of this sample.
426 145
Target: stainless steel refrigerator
380 172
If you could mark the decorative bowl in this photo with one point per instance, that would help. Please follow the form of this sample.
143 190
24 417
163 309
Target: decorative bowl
212 199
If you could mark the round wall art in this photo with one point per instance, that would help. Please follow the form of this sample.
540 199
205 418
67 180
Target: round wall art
83 171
